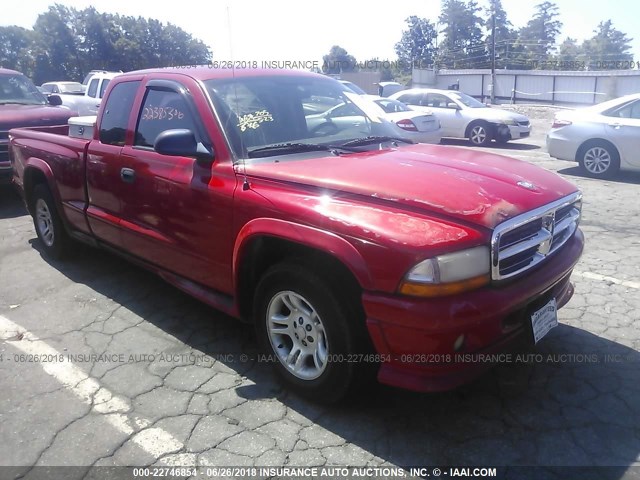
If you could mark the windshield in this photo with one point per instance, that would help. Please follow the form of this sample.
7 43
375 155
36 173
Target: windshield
71 88
392 106
258 112
353 87
466 100
18 89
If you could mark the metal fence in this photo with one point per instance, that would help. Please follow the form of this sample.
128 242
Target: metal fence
535 86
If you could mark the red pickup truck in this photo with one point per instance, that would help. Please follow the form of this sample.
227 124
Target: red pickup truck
352 251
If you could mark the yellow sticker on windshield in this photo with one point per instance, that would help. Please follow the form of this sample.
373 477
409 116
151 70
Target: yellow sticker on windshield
253 120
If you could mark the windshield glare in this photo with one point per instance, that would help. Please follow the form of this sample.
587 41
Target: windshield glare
260 111
19 89
467 101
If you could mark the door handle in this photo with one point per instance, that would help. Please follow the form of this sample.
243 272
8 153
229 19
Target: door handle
615 125
128 175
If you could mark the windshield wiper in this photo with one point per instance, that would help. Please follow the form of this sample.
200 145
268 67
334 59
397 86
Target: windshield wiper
374 139
295 148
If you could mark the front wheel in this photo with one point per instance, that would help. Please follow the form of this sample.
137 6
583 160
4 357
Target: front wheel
480 134
310 330
48 223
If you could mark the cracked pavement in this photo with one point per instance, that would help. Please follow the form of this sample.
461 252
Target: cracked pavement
153 377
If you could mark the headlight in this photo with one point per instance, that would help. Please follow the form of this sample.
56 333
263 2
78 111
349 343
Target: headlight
510 122
448 274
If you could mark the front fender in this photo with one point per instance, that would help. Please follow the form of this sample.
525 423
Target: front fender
321 240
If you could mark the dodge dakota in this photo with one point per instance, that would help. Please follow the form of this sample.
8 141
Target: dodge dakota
353 252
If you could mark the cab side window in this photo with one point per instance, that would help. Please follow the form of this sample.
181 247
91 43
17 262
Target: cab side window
437 100
93 88
161 110
115 118
103 87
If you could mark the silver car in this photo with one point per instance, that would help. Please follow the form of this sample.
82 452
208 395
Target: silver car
603 138
462 116
419 127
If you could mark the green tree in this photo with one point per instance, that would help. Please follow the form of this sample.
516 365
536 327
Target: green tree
537 39
417 45
462 46
505 36
337 61
606 47
570 55
66 43
56 45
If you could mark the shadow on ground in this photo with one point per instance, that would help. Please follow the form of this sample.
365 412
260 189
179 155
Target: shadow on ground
11 205
632 178
576 404
517 146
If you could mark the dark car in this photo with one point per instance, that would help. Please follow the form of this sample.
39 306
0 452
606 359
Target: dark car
22 105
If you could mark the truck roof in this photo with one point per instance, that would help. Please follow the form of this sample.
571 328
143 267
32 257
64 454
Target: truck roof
207 73
6 71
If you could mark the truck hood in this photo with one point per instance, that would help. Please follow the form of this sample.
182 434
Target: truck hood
480 188
13 116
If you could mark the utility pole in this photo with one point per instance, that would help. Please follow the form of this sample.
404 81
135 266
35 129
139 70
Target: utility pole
493 52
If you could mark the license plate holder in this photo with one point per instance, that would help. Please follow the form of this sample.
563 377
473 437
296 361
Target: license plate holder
544 319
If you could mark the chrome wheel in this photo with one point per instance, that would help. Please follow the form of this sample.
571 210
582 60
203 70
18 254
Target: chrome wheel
478 135
597 160
44 222
297 335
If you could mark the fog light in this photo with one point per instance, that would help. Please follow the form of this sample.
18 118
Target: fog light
459 343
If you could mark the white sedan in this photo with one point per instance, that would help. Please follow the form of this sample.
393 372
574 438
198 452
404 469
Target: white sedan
462 116
419 127
603 138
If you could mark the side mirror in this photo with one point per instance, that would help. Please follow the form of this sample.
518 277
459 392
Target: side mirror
54 100
181 142
453 105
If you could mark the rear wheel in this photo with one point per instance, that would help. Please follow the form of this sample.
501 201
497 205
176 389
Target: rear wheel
599 160
480 134
48 223
310 329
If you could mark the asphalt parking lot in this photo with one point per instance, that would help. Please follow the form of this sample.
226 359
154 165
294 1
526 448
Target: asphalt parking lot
152 377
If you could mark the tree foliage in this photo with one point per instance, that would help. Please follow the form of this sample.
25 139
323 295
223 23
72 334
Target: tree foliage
606 47
66 43
337 61
537 39
462 46
418 44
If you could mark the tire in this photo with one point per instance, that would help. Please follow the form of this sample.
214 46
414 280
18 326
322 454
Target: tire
599 160
294 299
48 224
480 134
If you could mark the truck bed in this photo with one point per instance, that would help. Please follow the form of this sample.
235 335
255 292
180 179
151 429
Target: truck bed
62 158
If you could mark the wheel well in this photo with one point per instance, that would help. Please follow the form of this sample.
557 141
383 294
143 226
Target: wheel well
592 143
32 178
476 122
265 251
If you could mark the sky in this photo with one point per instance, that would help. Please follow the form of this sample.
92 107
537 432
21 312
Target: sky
294 30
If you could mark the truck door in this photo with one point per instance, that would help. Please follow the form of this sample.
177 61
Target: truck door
177 211
104 164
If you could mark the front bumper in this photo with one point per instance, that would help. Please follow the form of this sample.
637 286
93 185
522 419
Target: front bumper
492 320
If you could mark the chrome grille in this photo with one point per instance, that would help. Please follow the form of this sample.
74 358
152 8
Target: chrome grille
4 146
524 241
